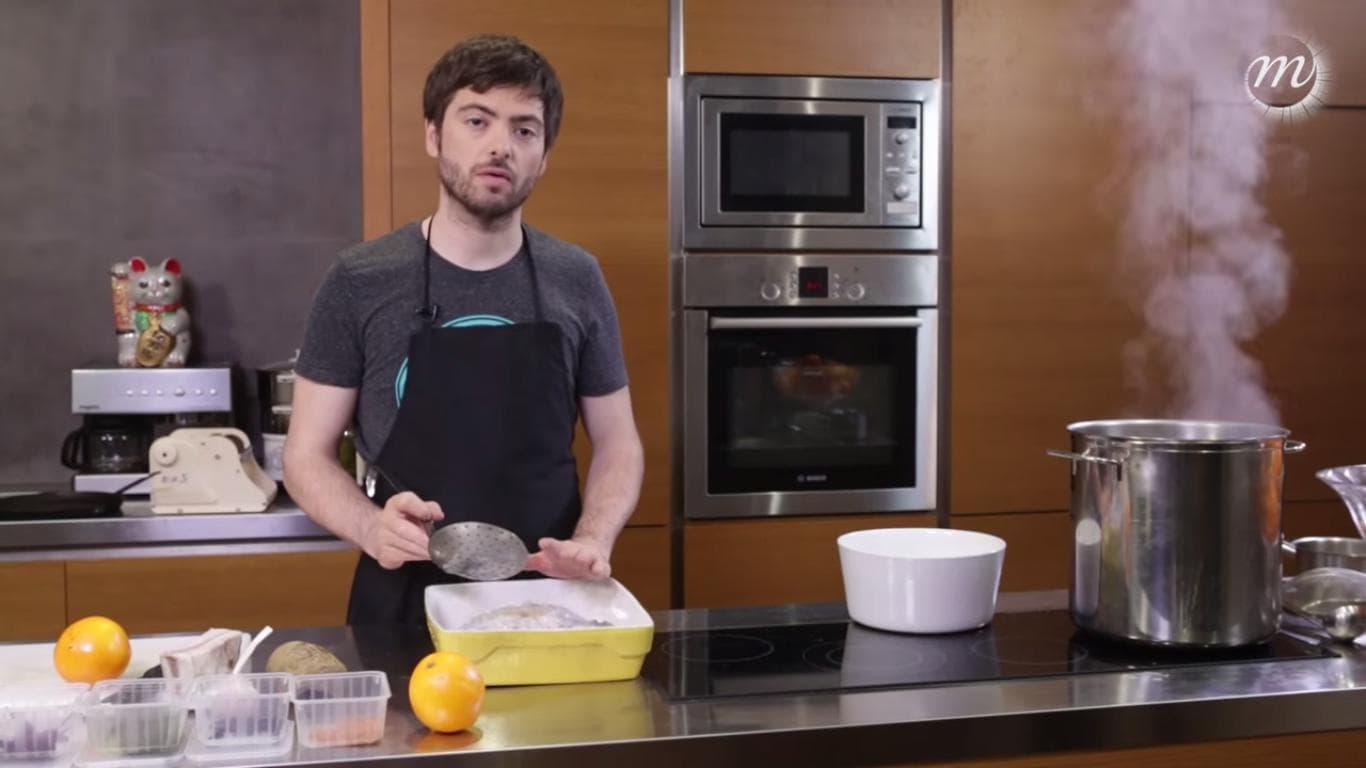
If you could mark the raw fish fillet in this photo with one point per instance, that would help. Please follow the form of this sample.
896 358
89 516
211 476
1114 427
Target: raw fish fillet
526 616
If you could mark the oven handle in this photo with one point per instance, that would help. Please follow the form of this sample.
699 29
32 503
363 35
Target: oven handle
739 323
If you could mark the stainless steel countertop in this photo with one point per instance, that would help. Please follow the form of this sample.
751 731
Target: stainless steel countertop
631 723
139 533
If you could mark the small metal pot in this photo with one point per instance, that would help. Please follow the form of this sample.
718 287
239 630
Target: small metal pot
1326 552
1177 530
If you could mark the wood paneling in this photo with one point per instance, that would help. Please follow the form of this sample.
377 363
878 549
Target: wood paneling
605 186
1332 749
376 173
1333 29
32 600
187 594
1038 547
1042 330
1316 518
641 562
1039 317
871 38
1315 195
772 560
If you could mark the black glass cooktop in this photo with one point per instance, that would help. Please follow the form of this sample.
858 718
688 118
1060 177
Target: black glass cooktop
805 658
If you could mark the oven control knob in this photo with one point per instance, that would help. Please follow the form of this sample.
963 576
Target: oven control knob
901 137
901 192
854 291
771 291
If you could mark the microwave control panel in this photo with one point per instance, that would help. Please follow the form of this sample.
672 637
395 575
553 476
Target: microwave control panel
900 158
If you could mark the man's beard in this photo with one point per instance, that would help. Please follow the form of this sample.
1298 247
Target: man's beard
487 208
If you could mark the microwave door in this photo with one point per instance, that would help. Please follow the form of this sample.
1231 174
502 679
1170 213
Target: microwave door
788 163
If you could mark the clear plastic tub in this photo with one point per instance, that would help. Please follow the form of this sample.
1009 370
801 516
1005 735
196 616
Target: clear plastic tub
341 710
241 710
41 723
136 719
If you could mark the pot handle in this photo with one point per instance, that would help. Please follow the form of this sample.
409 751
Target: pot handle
1294 446
1084 457
1287 548
1118 464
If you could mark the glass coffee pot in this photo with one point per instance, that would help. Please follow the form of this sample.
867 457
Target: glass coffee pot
108 445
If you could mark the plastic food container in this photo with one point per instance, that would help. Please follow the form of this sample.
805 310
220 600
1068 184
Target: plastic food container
341 710
242 710
136 718
41 723
613 650
921 579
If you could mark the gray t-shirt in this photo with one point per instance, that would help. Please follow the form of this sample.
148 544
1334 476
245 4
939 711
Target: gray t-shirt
364 314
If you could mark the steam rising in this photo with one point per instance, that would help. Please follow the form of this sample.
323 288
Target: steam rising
1196 238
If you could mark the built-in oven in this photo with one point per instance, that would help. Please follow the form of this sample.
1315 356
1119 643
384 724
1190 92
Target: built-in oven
809 383
810 163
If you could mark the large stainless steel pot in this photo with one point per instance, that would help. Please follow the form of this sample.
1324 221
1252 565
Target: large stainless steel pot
1177 530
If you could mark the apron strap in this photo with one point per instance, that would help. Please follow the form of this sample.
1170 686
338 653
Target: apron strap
430 311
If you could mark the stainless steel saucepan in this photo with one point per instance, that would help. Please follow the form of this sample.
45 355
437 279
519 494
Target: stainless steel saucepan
1326 552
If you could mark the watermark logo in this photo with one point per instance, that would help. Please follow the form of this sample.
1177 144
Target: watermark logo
1287 77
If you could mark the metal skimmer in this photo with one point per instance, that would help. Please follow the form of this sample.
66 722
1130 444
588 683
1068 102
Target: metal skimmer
477 551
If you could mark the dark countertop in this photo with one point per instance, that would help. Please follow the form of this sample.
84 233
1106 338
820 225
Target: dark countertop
633 723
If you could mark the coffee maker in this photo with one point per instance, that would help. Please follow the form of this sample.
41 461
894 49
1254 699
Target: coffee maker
124 409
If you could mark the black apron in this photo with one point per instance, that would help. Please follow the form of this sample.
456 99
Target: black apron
486 430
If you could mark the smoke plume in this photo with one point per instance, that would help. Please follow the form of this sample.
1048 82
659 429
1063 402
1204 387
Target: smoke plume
1197 243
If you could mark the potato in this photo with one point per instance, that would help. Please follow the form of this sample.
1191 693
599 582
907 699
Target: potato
299 658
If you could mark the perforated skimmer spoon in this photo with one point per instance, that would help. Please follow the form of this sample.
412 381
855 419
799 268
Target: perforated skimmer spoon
472 550
477 551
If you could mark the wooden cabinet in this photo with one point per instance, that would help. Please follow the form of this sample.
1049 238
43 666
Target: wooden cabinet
1038 547
191 594
642 562
1315 195
1038 310
1316 518
767 561
1333 30
1045 312
866 38
32 600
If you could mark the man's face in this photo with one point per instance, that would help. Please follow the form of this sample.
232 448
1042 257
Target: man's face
490 149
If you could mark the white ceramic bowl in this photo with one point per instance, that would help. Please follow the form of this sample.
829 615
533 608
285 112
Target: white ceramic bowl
927 580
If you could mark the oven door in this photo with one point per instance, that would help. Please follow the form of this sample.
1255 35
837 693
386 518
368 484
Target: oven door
790 163
809 412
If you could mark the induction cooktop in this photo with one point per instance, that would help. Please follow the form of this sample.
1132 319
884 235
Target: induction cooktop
825 657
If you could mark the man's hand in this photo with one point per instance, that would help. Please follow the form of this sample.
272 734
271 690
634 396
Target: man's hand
572 559
398 533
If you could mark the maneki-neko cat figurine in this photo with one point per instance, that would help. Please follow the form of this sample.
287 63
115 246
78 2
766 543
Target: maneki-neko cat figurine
159 335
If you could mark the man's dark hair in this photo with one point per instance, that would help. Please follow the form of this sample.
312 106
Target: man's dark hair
491 61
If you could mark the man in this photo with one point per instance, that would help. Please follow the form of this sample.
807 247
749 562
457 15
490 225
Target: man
465 346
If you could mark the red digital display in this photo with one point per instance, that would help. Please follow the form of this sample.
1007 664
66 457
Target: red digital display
813 282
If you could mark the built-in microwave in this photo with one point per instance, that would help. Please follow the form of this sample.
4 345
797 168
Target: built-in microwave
810 163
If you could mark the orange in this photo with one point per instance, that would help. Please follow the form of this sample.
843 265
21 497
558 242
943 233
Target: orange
92 649
446 692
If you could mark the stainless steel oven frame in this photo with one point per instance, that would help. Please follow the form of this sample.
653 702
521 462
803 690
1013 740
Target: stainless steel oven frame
806 231
712 284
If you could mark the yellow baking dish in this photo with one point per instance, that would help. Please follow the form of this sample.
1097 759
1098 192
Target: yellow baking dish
532 657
